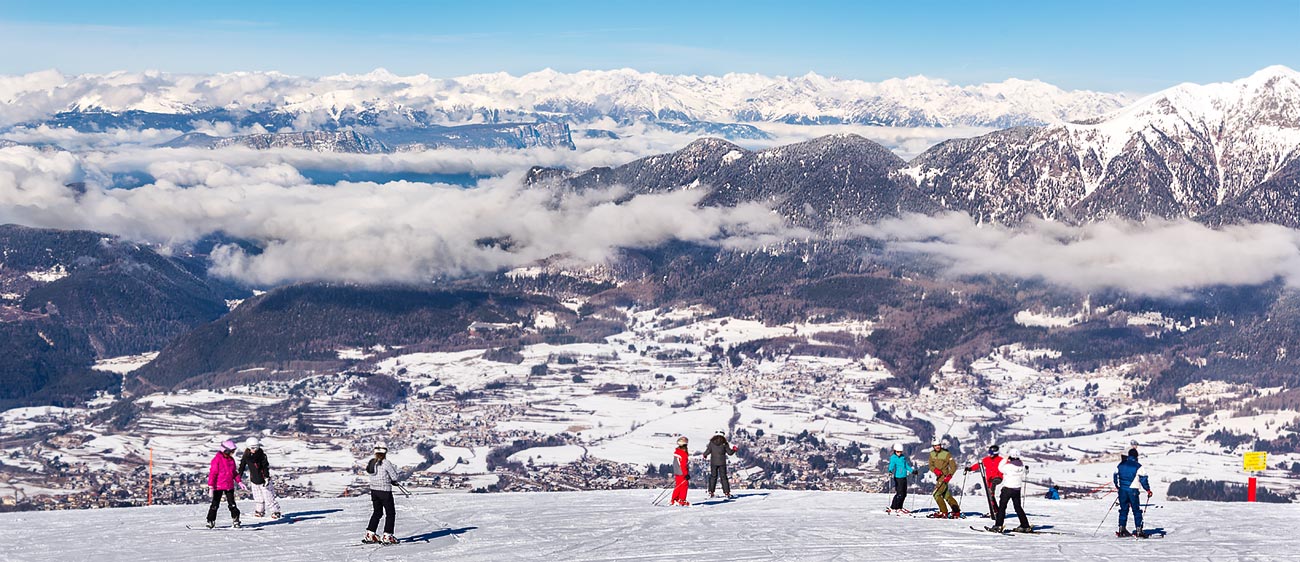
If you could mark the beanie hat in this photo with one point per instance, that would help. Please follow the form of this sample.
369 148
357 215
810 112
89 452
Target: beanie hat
1133 453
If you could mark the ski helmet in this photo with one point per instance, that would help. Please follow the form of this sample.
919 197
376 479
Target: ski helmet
721 432
936 442
381 447
898 447
1013 453
252 443
682 441
228 445
993 449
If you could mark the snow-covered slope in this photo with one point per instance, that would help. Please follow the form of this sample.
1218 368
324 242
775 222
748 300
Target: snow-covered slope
758 525
1183 152
586 95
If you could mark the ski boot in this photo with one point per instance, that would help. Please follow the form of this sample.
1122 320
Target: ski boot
995 529
1122 533
211 524
388 538
955 515
371 538
710 495
937 515
276 515
235 524
1023 530
1139 533
259 514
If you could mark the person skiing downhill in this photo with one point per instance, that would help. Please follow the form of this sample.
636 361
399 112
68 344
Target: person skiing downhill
681 473
899 469
382 477
254 462
1013 472
716 452
943 466
988 467
222 478
1129 474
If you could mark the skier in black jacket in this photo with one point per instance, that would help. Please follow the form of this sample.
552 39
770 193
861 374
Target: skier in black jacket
259 474
716 452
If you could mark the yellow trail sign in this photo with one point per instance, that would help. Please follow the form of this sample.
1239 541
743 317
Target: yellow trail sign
1255 461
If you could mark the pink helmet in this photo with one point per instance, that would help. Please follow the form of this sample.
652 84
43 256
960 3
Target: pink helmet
228 445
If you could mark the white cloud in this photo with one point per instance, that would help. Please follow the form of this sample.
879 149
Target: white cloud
1158 258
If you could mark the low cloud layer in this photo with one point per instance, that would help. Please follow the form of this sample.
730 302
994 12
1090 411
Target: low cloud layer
362 232
1156 258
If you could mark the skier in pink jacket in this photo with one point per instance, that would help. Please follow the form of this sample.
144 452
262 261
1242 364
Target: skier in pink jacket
222 478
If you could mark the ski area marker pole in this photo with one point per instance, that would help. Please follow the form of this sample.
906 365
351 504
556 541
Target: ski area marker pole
150 476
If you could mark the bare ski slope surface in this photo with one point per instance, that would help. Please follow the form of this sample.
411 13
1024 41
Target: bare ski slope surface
580 526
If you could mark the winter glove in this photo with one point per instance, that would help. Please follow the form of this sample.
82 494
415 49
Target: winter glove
734 448
947 478
243 487
966 470
1150 493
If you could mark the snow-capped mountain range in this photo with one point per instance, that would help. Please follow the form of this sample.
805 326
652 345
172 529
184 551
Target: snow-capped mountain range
1189 151
581 96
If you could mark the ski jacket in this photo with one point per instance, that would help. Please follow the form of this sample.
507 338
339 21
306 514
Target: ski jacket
1013 473
717 452
681 466
1130 474
899 466
254 463
942 464
989 465
222 474
382 475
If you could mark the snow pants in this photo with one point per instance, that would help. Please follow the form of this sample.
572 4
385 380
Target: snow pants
680 484
900 493
216 502
382 502
1130 499
264 498
719 472
943 497
1011 495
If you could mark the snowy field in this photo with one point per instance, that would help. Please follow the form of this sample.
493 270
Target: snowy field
759 525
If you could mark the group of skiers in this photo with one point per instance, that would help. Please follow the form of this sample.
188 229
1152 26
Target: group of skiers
1007 477
716 453
1003 479
224 475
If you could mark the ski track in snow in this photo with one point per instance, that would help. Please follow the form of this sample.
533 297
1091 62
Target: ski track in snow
622 525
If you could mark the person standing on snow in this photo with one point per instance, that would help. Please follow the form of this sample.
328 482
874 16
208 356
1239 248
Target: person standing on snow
222 478
943 466
382 477
1129 474
899 469
258 468
681 473
716 453
988 466
1013 472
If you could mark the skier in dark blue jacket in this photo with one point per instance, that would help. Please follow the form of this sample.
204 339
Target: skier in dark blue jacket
1128 476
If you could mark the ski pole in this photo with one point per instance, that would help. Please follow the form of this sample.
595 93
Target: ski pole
661 495
399 487
1105 517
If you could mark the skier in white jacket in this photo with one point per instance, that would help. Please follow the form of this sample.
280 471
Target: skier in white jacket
382 477
1013 477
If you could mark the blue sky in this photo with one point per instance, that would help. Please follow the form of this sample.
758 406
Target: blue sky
1133 46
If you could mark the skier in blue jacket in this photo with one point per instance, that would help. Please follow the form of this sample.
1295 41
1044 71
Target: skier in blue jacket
1128 476
899 468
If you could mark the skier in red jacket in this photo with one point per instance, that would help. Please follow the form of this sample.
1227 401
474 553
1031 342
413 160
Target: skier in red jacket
992 477
681 473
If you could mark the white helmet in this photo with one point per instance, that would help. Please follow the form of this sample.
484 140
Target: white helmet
898 447
721 432
1013 453
936 442
381 447
682 441
252 443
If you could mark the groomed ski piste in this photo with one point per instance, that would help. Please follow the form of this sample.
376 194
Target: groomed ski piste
623 525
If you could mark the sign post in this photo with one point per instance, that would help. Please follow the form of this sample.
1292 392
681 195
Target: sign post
150 475
1254 461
